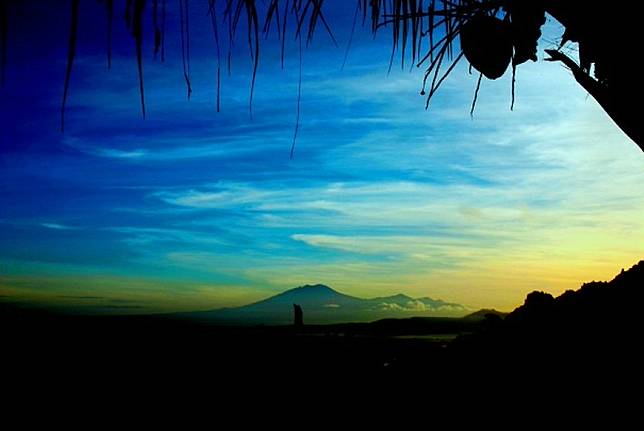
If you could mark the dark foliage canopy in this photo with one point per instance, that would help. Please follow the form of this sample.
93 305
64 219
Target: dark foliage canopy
436 35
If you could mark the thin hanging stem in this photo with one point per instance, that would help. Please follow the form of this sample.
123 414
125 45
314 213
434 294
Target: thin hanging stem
215 29
163 31
157 29
185 43
254 25
230 44
284 32
109 7
436 85
299 98
476 95
137 32
4 35
514 73
71 54
353 29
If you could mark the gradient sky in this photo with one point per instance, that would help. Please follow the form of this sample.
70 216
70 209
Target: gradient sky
194 209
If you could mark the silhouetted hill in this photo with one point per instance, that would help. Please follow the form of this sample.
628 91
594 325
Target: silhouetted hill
323 305
483 313
596 302
599 322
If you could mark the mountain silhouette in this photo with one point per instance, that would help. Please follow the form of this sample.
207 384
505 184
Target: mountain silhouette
483 313
322 305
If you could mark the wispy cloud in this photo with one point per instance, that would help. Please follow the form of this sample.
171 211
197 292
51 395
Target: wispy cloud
193 208
120 154
57 226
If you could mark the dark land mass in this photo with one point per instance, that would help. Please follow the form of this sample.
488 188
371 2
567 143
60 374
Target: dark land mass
581 339
485 314
324 305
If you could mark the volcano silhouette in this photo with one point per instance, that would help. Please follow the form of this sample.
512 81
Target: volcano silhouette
322 304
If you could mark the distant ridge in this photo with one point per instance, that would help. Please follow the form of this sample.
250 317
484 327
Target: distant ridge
482 313
322 305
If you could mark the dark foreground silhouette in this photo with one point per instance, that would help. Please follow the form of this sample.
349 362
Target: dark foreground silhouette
492 35
298 316
580 341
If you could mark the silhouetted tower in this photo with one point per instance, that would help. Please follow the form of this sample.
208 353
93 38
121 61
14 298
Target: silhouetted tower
298 316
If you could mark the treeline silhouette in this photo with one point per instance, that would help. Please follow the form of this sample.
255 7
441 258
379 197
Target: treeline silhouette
584 343
599 312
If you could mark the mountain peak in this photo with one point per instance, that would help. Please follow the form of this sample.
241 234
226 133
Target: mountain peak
307 292
401 296
321 303
313 287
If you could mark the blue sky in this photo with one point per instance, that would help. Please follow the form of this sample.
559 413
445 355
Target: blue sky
194 209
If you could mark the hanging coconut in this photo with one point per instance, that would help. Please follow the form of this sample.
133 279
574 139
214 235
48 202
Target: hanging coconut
487 44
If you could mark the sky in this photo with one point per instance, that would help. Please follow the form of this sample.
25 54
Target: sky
190 209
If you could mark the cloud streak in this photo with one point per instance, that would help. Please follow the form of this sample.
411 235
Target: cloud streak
57 226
